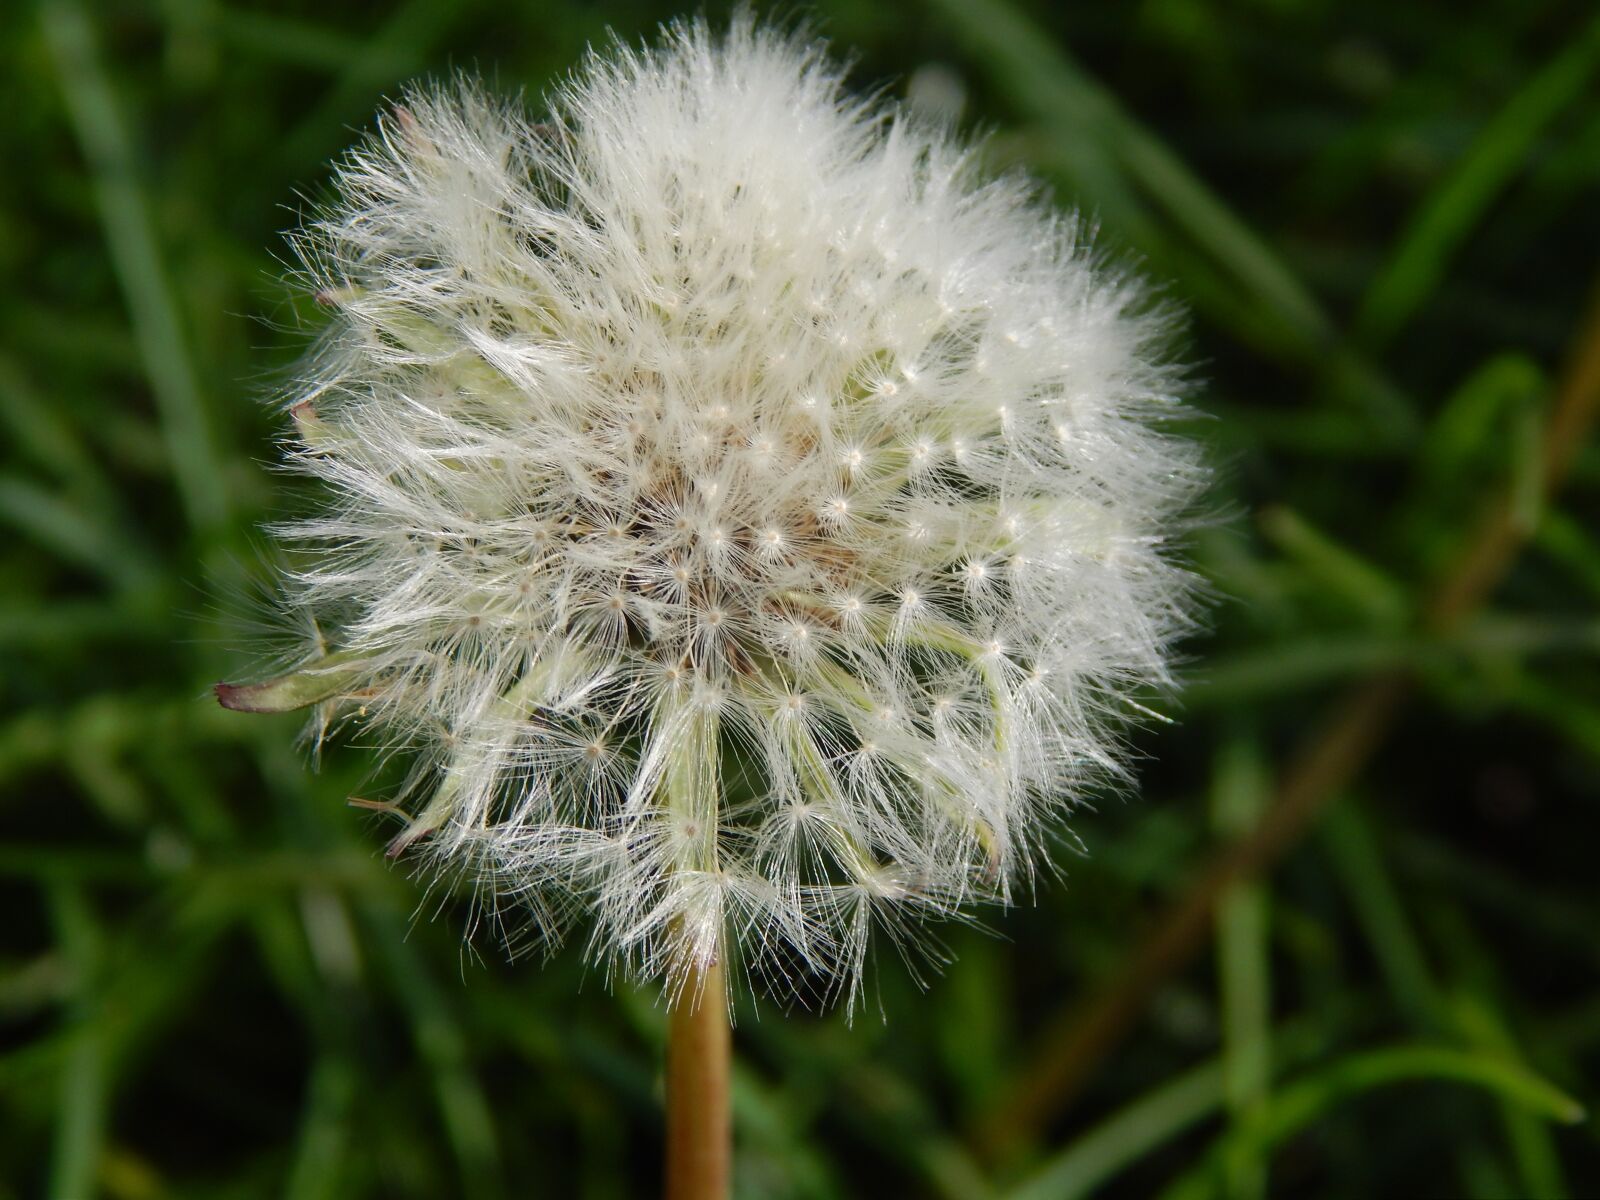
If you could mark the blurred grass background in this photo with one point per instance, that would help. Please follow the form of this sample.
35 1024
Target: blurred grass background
1345 943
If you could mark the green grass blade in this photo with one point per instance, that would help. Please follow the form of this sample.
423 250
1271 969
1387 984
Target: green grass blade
324 1133
1468 432
42 432
1572 545
1118 1142
1300 1104
1298 663
1449 215
132 242
83 1099
1240 789
1121 1140
1383 919
1532 1145
76 537
1563 709
1363 584
442 1043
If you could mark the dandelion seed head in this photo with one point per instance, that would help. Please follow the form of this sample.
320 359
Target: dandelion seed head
728 407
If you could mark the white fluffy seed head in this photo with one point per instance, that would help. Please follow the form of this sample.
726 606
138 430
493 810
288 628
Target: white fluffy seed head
749 514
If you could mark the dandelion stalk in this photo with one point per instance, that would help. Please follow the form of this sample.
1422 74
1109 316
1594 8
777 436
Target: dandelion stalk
699 1140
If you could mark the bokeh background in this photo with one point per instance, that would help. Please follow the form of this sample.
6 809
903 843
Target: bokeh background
1345 941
